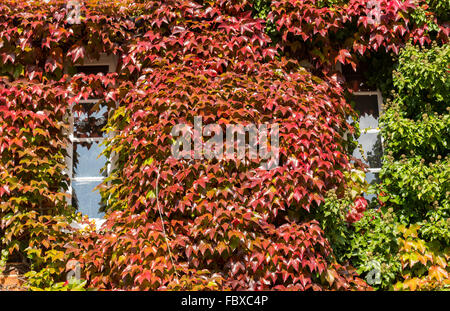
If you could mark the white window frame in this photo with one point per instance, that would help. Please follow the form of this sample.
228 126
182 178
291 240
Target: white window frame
377 130
104 60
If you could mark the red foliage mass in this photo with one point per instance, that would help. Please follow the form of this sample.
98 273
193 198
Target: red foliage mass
374 25
226 221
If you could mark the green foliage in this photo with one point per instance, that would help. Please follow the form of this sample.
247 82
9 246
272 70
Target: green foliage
437 228
427 137
441 8
416 169
415 187
375 239
369 244
44 279
332 217
4 254
416 128
406 238
421 81
333 214
422 15
261 9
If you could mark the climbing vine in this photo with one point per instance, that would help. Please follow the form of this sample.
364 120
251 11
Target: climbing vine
226 223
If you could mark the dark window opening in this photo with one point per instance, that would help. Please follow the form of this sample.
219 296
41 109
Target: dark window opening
92 70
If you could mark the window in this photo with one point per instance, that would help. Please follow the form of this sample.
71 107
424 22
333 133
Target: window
367 102
368 105
86 136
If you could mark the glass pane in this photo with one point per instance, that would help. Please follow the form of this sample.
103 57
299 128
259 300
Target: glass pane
86 199
367 107
90 121
373 151
86 160
372 178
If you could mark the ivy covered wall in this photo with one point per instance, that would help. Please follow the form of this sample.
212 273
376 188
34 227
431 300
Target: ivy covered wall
208 225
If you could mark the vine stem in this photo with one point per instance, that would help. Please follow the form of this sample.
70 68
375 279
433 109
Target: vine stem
162 222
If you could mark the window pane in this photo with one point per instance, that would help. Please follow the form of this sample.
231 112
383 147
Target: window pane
92 70
86 199
371 144
90 121
367 108
86 161
372 178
